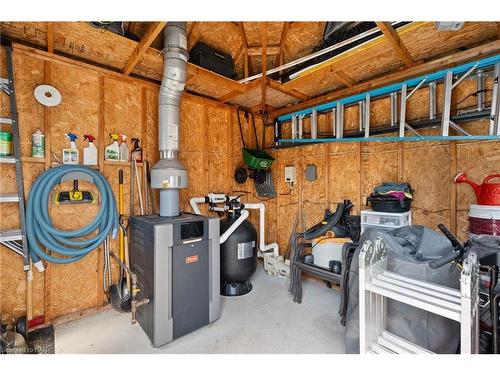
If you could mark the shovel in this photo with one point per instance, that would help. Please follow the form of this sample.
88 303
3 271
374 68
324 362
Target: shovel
120 293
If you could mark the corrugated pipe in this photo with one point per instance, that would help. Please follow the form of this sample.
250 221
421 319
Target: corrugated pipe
169 174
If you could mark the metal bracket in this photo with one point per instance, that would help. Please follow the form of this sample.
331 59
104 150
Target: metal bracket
394 108
448 88
367 116
361 114
314 124
300 132
294 126
339 120
495 103
334 127
480 90
402 117
432 100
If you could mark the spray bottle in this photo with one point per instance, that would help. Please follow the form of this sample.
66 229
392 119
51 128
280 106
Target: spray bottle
137 150
112 151
89 152
71 155
123 148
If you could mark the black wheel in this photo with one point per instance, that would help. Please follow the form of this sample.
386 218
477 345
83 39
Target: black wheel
241 175
22 326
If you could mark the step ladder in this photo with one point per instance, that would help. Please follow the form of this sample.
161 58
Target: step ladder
377 285
14 239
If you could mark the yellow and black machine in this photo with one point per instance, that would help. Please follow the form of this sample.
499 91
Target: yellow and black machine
75 196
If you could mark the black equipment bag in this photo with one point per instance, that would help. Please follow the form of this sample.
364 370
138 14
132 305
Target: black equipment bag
209 58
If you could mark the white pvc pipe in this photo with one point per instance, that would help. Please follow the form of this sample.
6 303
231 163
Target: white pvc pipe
244 214
220 209
232 228
194 204
262 225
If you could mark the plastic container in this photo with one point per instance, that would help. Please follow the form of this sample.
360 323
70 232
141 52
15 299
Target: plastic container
484 219
384 221
5 143
389 204
112 151
257 159
38 144
325 249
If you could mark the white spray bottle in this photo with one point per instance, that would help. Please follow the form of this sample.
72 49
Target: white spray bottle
71 155
89 152
123 148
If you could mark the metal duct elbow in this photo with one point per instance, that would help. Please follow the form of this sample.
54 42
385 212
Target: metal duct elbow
169 174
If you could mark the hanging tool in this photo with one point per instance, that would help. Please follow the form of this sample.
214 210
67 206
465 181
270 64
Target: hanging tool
145 187
106 277
139 189
75 196
120 213
120 293
132 189
150 193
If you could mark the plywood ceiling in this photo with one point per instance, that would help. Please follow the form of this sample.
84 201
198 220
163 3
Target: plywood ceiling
286 41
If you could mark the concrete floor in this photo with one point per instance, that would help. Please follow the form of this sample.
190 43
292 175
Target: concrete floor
264 321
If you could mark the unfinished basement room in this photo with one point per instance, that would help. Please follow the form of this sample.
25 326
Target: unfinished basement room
249 187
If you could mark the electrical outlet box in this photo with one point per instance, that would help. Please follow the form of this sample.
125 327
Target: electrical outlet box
290 174
311 174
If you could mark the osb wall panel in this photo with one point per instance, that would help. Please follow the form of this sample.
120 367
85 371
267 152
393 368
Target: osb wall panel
78 111
129 107
355 168
429 174
28 74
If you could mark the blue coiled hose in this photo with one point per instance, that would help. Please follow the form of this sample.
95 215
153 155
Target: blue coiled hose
41 232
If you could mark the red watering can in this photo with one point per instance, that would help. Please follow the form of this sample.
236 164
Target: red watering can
488 193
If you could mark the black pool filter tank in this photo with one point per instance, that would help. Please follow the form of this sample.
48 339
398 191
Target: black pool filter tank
238 254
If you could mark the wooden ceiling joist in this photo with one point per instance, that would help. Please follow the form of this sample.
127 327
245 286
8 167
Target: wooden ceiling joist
281 55
279 87
397 44
414 71
344 78
190 30
50 37
235 93
197 71
257 51
264 65
151 33
230 95
248 61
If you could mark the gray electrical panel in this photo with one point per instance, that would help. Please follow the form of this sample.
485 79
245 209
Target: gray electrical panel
311 174
177 262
